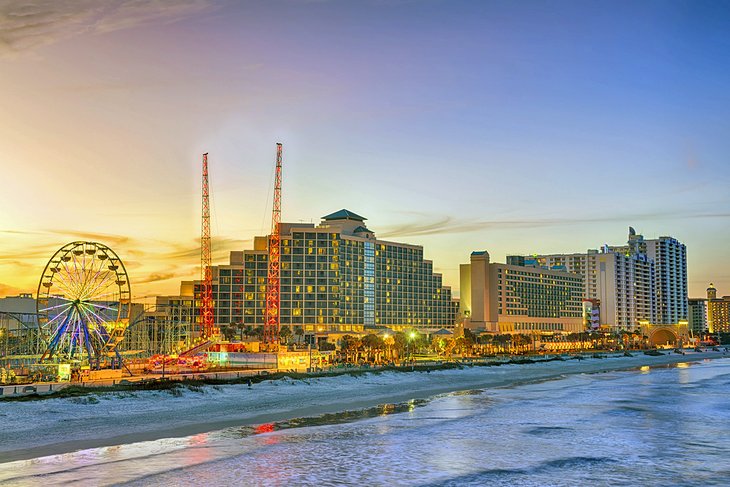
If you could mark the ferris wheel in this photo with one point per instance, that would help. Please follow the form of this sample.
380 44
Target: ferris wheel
83 303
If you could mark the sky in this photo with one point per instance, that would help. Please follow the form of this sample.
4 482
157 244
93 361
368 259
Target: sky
513 127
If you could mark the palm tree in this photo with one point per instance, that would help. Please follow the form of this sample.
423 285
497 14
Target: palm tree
399 344
285 334
501 341
351 346
373 346
438 344
469 340
486 339
257 332
522 342
229 331
299 333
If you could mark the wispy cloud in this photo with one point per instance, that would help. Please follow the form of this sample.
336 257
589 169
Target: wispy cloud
187 252
6 290
26 26
449 225
157 277
108 239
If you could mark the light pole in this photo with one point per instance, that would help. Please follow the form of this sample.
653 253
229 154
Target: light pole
411 336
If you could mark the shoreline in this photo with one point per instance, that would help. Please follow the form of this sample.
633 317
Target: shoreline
115 417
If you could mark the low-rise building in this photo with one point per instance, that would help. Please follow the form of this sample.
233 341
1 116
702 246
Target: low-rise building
512 298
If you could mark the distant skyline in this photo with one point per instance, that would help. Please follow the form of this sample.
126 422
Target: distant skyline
512 127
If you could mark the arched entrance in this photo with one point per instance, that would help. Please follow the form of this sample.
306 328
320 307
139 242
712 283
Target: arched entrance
663 337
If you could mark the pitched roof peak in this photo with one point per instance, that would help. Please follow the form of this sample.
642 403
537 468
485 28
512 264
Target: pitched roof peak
344 215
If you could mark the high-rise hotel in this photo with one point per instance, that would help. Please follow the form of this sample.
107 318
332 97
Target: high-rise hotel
670 277
336 276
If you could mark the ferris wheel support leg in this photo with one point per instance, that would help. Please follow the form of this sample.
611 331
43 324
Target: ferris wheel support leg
54 342
87 343
121 361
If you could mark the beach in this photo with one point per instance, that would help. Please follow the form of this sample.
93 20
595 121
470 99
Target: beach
60 425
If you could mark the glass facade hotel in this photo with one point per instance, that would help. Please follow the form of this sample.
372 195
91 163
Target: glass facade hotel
336 276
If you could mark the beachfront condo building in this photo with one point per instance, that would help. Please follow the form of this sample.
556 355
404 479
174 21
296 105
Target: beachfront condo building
670 277
335 277
642 281
514 298
697 316
718 312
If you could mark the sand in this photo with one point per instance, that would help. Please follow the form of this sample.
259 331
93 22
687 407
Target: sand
55 426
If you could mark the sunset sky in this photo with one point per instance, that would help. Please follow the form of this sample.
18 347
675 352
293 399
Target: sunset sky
512 127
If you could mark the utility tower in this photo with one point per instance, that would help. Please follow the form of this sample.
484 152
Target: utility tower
206 308
272 323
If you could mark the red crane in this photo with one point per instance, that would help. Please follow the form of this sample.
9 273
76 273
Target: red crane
206 308
272 319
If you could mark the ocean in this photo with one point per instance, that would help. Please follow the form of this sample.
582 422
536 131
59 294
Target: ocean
667 425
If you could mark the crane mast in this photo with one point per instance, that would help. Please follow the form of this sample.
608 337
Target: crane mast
206 308
272 319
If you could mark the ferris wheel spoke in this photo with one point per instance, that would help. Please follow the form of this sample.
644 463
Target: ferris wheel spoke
59 330
72 337
84 274
89 276
95 305
65 286
72 285
57 306
73 271
83 262
103 285
62 298
77 274
91 316
95 279
98 275
102 333
106 280
101 320
60 315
